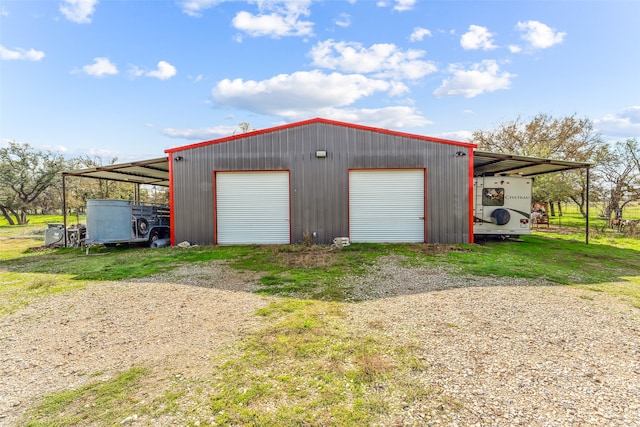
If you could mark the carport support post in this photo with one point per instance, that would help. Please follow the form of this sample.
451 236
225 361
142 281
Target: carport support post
64 209
586 235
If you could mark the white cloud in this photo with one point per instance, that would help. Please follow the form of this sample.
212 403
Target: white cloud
101 67
381 60
483 77
343 20
399 5
164 72
135 71
195 7
79 11
3 11
396 117
539 35
402 5
276 19
477 38
514 48
624 124
456 135
289 94
418 34
201 134
20 54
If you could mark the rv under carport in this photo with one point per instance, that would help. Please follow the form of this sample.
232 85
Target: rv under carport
494 164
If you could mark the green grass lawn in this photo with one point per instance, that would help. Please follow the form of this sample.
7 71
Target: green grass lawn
572 218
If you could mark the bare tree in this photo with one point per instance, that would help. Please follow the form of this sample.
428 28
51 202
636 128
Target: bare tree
619 175
245 127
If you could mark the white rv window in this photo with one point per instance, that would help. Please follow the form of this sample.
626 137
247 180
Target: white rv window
493 197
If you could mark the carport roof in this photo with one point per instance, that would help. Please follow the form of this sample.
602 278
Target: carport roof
485 163
148 172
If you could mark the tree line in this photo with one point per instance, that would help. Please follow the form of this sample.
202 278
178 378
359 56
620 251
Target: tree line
31 183
31 180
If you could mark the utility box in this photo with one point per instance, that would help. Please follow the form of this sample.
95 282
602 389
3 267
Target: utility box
502 205
110 222
54 235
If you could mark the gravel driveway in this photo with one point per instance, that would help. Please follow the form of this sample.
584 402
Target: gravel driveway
506 351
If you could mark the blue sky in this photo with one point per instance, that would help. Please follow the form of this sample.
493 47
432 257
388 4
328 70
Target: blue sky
129 79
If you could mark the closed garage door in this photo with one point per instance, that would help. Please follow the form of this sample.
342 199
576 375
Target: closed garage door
252 207
387 205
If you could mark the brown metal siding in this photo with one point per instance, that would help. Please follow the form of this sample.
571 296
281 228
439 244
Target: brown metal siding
319 187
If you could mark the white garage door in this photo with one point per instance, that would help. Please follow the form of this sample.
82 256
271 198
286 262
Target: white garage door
252 207
386 205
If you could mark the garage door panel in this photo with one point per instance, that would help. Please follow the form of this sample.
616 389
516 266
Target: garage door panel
386 205
252 207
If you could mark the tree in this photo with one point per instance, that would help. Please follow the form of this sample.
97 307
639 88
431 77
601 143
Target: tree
25 175
245 127
619 175
565 138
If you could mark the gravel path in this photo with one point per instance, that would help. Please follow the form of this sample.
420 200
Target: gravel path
62 341
509 352
506 352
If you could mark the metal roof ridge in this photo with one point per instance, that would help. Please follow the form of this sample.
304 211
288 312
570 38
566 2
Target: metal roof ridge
313 121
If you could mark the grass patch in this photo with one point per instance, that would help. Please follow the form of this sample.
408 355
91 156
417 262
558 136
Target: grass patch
309 368
306 272
596 266
317 272
98 403
19 289
572 218
627 289
113 263
557 260
16 248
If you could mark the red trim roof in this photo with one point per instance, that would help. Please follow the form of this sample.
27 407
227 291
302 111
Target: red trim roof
318 120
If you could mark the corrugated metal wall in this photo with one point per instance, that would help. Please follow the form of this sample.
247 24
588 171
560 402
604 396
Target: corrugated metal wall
319 186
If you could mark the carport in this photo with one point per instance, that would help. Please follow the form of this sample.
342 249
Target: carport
143 172
488 164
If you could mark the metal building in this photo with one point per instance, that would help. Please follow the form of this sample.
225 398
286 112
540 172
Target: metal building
320 179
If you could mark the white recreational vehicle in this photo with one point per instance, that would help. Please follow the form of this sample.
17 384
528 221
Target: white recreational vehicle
502 205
